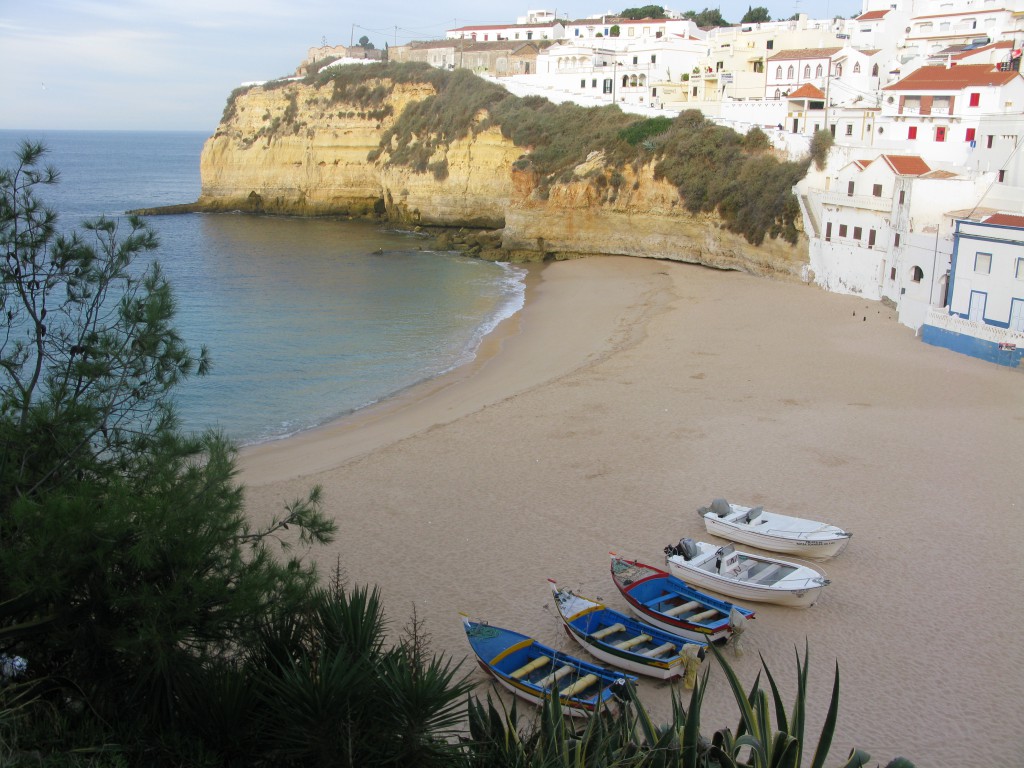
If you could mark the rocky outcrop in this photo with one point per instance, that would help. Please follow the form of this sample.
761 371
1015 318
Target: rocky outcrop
296 149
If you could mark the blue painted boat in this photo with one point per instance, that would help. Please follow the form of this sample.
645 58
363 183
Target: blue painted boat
624 642
661 599
536 672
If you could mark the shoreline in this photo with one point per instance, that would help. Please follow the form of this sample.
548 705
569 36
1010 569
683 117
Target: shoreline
627 393
502 367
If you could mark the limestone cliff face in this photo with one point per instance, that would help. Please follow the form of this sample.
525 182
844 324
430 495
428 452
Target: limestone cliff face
295 149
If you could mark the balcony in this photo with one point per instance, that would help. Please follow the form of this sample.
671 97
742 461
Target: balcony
864 202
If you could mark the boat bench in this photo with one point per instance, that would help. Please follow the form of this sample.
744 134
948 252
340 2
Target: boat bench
766 574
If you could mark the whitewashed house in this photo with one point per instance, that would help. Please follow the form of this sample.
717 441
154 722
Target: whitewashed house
985 314
965 115
881 228
549 30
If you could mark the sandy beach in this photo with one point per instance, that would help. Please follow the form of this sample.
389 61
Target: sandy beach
629 392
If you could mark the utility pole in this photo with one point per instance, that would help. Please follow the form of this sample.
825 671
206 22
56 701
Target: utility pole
352 37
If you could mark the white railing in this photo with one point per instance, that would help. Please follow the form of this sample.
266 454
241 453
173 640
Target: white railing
866 202
940 318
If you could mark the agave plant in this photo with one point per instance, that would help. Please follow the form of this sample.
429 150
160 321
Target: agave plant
767 747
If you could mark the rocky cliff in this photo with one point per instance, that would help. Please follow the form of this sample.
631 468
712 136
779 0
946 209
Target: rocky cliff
296 148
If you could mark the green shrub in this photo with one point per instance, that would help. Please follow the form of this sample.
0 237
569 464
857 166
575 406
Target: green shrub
645 129
821 143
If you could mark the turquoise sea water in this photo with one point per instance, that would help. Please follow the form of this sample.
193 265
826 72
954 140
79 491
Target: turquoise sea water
306 319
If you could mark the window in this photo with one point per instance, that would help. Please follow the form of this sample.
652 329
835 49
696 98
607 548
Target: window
828 236
839 70
983 263
607 85
1019 273
912 132
778 75
634 59
856 233
903 196
789 72
849 129
583 83
654 58
842 230
940 133
969 136
892 273
778 94
876 190
917 274
593 83
770 45
988 141
1002 175
975 100
871 238
807 70
874 71
849 187
856 68
896 241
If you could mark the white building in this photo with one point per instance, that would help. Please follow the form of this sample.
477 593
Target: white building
985 314
484 33
967 115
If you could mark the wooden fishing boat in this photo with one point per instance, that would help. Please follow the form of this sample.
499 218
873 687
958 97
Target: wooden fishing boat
660 599
536 672
774 532
743 575
624 642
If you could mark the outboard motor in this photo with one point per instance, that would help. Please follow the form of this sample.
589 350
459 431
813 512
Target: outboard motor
689 548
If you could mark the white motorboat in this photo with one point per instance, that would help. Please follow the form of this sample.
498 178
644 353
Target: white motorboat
774 532
743 575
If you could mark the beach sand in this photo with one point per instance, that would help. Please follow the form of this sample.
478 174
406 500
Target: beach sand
629 392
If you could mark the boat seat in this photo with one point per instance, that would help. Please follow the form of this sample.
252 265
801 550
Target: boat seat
526 669
625 645
579 686
684 608
603 633
661 650
703 616
555 676
767 573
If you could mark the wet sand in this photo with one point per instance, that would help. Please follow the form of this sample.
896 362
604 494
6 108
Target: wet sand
628 393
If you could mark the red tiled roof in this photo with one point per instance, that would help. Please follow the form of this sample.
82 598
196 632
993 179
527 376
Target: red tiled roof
952 79
991 46
807 91
804 53
906 165
1006 220
862 164
872 15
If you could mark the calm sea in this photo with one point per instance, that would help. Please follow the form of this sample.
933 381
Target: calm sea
306 319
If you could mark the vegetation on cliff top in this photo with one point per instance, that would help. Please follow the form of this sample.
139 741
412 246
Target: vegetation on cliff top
714 168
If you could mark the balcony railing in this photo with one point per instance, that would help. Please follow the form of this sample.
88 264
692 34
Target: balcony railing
865 202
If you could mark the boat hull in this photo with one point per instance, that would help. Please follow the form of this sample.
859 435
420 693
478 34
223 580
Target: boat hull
624 642
803 597
650 592
535 672
776 533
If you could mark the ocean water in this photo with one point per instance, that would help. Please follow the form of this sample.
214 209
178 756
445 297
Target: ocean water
306 320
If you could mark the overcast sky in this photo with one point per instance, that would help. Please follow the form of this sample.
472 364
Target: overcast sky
170 64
